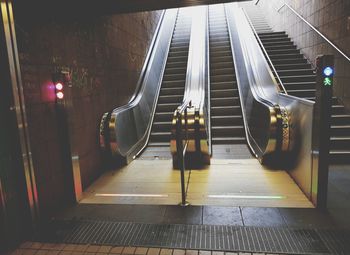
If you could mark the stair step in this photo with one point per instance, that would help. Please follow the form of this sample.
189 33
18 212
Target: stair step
167 107
286 56
175 70
340 130
228 120
226 101
225 110
219 43
161 126
172 84
296 72
274 39
159 144
299 85
285 46
338 109
226 47
281 33
222 71
298 78
222 77
170 99
223 85
277 61
340 119
221 53
340 156
228 140
302 92
217 65
227 131
163 116
160 136
172 91
221 59
281 67
219 93
340 143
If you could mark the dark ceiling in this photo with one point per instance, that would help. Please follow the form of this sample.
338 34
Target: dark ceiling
81 7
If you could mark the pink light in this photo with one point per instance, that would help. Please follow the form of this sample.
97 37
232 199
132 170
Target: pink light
59 86
59 95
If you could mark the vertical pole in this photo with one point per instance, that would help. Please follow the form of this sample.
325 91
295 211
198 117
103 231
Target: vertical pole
322 129
180 156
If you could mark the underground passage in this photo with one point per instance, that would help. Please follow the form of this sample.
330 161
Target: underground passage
175 127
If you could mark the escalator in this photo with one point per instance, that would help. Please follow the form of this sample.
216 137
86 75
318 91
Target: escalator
172 88
144 124
226 114
299 80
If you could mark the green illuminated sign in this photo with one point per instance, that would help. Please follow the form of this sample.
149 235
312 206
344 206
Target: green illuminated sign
327 81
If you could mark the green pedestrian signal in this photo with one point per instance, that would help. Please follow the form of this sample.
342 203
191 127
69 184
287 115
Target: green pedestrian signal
327 81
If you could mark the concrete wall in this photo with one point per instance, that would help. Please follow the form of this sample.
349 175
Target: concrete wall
104 56
330 17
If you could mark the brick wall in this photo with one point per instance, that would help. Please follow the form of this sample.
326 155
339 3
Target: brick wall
330 17
104 56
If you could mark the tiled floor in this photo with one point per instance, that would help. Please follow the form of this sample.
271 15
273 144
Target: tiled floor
225 182
35 248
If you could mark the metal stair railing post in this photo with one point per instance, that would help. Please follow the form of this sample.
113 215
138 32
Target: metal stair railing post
181 151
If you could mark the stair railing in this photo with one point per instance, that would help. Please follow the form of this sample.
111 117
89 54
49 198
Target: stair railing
182 140
280 83
315 29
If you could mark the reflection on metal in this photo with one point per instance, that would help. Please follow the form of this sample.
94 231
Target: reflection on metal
126 129
18 96
315 29
278 126
193 112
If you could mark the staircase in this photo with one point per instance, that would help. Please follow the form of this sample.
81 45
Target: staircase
299 80
226 114
173 84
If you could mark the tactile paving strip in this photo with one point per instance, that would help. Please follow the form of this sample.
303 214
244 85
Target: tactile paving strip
203 237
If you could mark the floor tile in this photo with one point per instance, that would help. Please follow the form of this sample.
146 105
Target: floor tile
153 251
183 215
222 216
166 252
262 217
306 218
141 250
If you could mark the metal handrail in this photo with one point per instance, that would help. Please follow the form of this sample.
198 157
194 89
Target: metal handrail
209 85
265 52
181 148
315 29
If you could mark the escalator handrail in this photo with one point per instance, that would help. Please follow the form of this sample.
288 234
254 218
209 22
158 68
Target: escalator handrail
280 83
132 111
208 98
144 67
196 76
261 94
